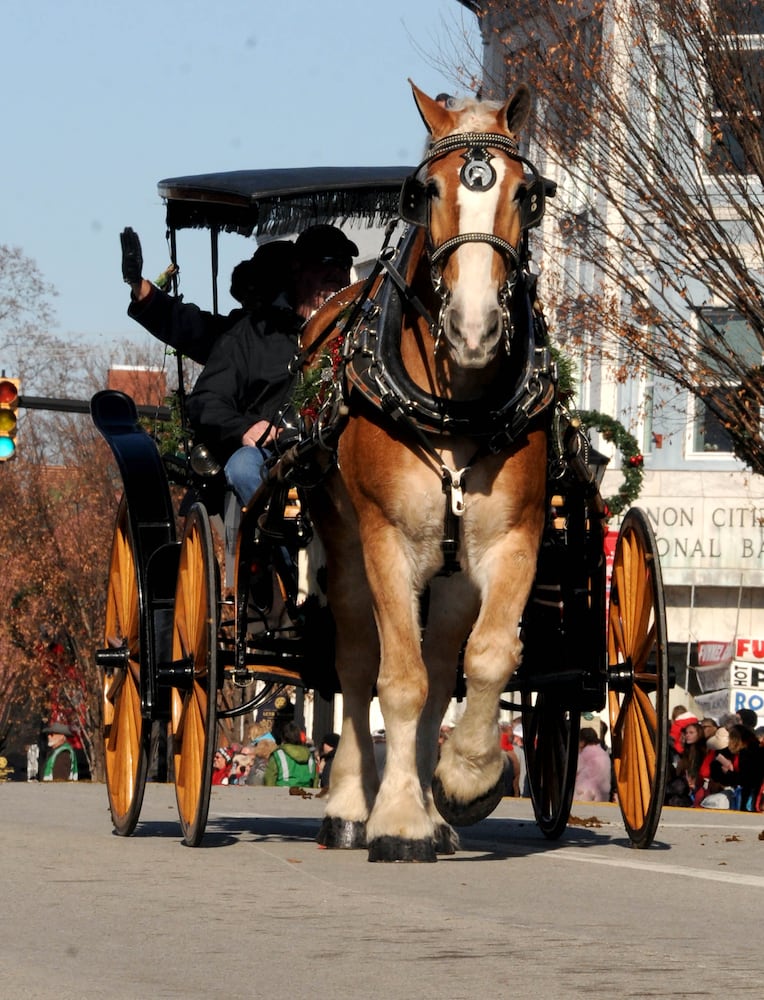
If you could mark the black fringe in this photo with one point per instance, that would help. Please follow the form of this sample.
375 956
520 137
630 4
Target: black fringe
276 216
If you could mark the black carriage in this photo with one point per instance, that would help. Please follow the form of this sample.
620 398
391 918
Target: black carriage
186 642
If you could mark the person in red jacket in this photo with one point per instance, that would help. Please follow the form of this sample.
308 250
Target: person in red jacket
221 766
695 762
680 718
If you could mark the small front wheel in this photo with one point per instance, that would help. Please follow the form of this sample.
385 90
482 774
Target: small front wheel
127 735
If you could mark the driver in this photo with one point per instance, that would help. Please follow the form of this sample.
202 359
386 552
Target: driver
239 401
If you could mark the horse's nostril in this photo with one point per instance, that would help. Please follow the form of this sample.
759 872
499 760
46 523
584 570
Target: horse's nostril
493 326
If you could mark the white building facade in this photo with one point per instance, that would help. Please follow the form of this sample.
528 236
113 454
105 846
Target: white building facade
706 508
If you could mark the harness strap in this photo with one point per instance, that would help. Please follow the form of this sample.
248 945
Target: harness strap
495 241
452 481
407 292
453 487
469 140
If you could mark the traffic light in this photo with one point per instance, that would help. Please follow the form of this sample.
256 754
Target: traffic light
9 404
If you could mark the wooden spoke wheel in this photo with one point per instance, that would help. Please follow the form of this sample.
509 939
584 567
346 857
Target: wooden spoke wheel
195 659
638 678
550 740
127 735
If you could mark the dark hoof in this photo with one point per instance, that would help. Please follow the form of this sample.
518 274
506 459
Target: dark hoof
398 849
342 834
446 839
466 813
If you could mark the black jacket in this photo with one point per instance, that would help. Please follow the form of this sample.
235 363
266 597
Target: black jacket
246 379
182 325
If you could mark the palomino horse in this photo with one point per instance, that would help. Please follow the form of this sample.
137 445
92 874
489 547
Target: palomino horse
433 516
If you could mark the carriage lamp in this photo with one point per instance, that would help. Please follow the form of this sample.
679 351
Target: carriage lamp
203 462
598 463
9 404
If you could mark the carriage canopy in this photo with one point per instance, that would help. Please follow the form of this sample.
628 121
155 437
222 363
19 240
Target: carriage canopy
277 201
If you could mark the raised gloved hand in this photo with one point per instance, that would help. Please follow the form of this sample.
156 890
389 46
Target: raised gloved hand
132 256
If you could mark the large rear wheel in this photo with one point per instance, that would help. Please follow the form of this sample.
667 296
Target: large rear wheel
195 657
638 678
550 739
127 734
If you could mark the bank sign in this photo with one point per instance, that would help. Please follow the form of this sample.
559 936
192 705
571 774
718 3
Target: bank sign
708 540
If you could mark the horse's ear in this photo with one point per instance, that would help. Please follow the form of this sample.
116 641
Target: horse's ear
518 108
437 120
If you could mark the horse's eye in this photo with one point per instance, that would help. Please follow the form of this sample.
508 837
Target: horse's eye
431 190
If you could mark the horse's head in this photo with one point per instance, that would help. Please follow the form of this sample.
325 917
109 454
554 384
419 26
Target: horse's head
472 196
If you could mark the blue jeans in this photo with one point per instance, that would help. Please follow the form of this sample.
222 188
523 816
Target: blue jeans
244 471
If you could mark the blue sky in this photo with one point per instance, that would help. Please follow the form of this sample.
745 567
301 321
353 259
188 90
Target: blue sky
108 98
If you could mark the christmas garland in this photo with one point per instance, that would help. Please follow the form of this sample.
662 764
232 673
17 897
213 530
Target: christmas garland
632 463
311 391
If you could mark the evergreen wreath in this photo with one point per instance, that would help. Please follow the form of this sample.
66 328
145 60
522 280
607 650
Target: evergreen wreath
314 385
632 460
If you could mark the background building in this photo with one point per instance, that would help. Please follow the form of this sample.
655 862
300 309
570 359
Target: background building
706 505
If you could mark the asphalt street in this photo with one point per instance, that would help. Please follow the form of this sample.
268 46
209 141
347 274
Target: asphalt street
259 911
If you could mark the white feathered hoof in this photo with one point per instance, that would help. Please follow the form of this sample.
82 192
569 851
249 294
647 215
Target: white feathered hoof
400 849
466 813
342 834
446 839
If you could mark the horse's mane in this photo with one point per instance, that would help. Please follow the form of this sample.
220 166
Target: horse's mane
479 116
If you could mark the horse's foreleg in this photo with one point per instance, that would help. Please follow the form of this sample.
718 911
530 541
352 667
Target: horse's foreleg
453 606
400 828
354 778
468 781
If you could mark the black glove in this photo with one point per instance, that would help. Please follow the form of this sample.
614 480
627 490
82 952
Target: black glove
132 256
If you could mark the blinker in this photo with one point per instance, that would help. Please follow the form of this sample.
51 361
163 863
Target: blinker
412 206
531 203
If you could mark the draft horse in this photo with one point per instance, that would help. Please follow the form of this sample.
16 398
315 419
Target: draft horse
433 515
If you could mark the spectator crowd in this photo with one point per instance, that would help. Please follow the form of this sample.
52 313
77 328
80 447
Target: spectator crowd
289 761
714 765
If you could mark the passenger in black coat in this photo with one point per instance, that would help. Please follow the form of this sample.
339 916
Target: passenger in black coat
241 398
183 325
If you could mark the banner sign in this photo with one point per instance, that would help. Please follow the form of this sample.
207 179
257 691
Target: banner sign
750 650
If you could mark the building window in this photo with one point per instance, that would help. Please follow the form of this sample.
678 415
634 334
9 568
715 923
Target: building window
648 409
709 434
723 369
736 80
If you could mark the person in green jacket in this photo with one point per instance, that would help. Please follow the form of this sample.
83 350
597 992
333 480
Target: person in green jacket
61 762
292 763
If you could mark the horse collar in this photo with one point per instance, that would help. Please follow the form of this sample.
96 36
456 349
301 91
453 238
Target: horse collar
374 372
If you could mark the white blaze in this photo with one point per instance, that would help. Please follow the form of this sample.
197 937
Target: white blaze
473 298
